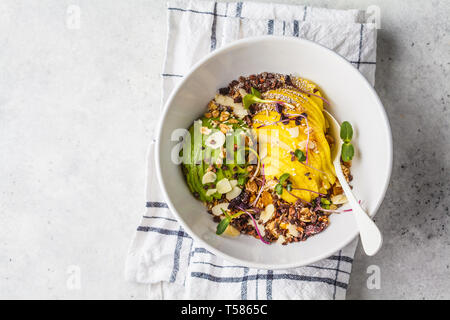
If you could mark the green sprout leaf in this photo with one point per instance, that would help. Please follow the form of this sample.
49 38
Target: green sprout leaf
325 203
222 226
284 177
226 214
300 155
252 98
346 131
279 189
255 92
347 152
241 179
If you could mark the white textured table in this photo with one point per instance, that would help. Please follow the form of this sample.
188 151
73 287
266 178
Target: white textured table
76 115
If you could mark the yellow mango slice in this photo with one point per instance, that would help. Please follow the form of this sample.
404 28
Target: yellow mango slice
278 140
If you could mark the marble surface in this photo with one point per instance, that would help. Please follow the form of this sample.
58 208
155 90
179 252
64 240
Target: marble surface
76 115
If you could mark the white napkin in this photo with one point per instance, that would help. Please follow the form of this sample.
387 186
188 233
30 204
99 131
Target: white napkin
162 254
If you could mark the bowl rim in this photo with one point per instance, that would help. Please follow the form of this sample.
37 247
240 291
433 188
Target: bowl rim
233 45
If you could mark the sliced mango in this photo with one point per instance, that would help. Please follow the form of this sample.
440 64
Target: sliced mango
278 141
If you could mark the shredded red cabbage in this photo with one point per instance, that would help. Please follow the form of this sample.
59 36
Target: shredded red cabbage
333 211
320 194
307 165
256 226
304 201
315 95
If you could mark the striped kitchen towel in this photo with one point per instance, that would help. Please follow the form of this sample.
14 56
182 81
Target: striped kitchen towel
162 254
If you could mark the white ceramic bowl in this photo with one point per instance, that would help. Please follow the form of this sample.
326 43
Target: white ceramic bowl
352 98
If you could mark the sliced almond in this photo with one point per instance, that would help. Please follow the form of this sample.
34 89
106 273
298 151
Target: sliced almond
223 186
231 231
217 209
302 145
267 214
227 101
242 92
210 192
236 191
293 132
209 177
293 230
281 239
215 140
233 183
339 199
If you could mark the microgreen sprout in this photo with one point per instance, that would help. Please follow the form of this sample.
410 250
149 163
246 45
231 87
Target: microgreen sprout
299 155
252 98
241 179
283 182
346 134
222 226
325 203
225 222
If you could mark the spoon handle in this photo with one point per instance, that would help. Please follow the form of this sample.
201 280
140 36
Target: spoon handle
371 237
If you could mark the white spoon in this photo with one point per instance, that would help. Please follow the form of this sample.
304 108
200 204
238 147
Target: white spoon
371 238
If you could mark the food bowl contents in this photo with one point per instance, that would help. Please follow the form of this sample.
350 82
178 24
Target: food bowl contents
260 159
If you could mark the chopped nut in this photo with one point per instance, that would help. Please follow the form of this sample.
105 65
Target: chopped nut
215 113
224 116
212 106
266 198
224 128
233 121
251 186
305 211
208 115
291 211
346 172
337 190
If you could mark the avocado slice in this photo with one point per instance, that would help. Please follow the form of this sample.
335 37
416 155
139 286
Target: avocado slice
199 158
